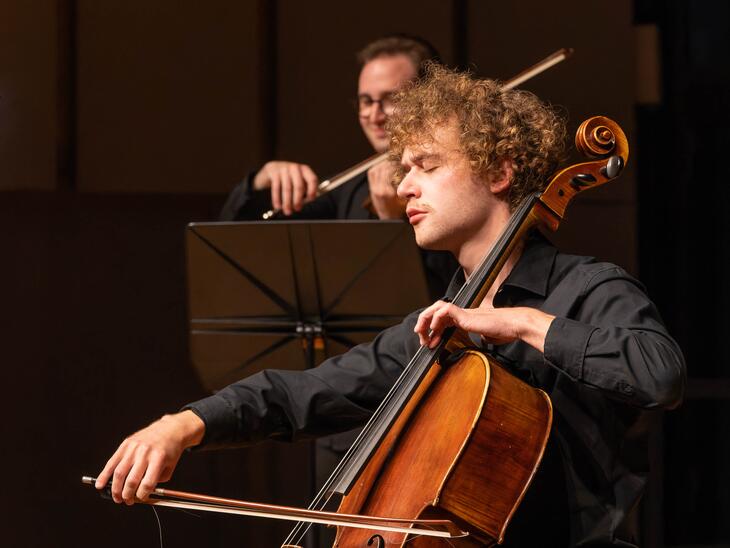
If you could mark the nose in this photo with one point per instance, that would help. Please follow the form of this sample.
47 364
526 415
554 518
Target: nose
408 187
377 114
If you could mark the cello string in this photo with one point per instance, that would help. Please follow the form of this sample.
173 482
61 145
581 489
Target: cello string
365 434
368 427
302 527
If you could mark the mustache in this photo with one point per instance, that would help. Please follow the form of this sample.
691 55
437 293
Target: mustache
420 206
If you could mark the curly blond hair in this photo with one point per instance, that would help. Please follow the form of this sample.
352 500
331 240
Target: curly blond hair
493 125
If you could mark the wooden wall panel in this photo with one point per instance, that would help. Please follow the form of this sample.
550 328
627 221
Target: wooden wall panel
505 37
317 71
28 109
94 346
168 95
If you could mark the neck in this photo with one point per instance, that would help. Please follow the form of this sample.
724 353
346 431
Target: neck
502 276
475 248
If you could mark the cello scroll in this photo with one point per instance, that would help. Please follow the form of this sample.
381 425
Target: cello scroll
600 139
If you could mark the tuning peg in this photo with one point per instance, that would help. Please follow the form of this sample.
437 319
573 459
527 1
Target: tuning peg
613 167
582 180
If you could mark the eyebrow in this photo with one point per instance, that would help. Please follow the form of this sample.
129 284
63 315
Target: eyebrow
420 158
389 94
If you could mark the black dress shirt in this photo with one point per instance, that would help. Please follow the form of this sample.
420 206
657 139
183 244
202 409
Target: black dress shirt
344 202
608 366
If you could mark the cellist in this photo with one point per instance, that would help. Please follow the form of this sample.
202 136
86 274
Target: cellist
582 330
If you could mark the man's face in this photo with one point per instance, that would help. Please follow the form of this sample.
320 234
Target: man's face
446 203
379 79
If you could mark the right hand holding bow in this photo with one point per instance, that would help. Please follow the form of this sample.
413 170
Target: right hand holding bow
149 456
291 184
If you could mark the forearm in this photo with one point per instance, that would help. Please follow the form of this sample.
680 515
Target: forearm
531 326
338 395
189 427
641 366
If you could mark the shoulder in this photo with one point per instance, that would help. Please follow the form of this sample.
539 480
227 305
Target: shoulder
585 273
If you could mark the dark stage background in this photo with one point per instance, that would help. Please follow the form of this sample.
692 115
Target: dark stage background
122 121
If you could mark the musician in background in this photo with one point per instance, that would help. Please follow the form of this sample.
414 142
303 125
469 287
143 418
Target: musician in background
582 330
385 65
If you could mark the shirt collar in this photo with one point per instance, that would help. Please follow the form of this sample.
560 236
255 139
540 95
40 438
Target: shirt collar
531 273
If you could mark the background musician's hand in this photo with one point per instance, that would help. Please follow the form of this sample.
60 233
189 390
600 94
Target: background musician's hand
149 456
291 184
386 203
495 325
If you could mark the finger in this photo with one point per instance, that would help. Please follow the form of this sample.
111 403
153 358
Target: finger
134 477
166 473
286 193
385 174
418 328
375 181
151 478
435 340
297 182
276 191
120 477
421 328
441 319
109 467
424 319
384 182
312 181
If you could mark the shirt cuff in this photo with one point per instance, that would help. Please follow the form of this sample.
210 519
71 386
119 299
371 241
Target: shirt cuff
565 346
219 418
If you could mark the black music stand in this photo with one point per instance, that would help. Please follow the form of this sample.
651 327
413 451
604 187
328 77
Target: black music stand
287 295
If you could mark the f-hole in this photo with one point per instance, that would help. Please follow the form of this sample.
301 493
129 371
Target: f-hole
377 538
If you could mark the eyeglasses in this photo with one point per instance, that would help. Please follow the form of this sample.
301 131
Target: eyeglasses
365 104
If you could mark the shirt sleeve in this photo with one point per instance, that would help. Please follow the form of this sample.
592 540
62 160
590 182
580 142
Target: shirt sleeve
616 342
339 395
322 207
244 203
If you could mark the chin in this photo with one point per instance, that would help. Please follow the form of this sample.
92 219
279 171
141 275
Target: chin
380 145
424 242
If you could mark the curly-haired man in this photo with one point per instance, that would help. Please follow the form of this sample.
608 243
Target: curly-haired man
582 330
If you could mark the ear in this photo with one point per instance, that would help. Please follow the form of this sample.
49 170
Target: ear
502 178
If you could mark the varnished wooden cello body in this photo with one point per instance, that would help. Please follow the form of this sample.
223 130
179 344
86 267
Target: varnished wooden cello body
467 455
